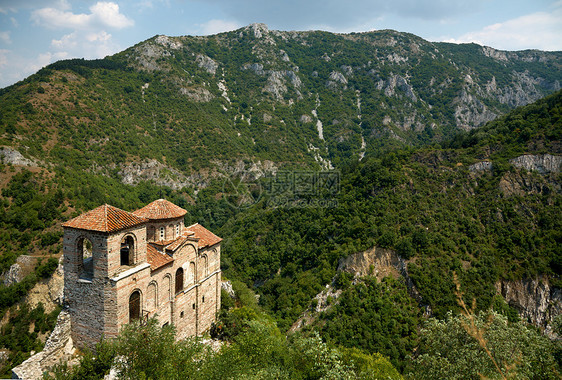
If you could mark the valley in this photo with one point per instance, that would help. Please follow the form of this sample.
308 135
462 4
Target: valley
445 162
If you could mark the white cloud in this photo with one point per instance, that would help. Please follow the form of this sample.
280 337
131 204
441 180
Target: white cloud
540 30
5 37
218 26
87 45
88 37
102 36
3 57
103 14
108 14
67 41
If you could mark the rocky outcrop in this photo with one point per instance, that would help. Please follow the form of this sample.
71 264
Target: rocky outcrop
521 183
58 347
207 63
394 82
23 266
545 163
470 111
227 287
482 166
13 275
49 292
535 300
197 94
11 156
378 262
335 80
381 263
321 302
160 174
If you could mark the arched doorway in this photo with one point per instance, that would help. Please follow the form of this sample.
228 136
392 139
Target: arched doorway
127 250
134 306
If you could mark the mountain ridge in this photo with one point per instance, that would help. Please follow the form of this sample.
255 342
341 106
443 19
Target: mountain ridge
312 99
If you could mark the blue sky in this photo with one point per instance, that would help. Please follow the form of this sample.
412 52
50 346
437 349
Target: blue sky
34 33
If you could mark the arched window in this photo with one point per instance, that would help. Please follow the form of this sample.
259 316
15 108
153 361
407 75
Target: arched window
191 274
179 280
127 251
152 296
134 306
167 288
205 265
85 259
162 233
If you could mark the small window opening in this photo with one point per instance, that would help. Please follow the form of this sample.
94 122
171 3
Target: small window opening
193 306
177 230
85 249
181 314
203 299
162 233
127 250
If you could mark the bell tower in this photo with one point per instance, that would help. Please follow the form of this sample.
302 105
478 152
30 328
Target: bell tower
98 245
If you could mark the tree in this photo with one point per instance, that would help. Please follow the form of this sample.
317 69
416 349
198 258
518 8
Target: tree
483 345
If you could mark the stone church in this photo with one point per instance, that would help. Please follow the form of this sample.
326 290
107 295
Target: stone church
123 266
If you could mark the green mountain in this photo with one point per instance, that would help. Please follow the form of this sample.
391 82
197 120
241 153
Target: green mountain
189 104
481 213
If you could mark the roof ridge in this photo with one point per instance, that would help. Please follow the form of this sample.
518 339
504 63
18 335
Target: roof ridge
106 216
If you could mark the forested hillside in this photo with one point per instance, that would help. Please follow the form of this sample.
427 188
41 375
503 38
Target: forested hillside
423 165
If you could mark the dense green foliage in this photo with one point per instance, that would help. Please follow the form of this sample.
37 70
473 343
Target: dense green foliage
375 317
260 351
455 348
19 339
444 216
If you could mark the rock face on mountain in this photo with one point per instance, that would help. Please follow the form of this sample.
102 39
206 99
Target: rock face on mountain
378 262
543 164
535 300
12 156
13 275
49 291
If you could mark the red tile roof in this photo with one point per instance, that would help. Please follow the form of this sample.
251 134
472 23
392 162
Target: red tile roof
176 243
206 237
105 218
155 258
160 209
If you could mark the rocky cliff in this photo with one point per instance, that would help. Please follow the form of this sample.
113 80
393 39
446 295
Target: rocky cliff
377 262
58 346
535 300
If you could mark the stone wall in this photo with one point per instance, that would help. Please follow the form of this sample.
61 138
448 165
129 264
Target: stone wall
85 295
58 346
